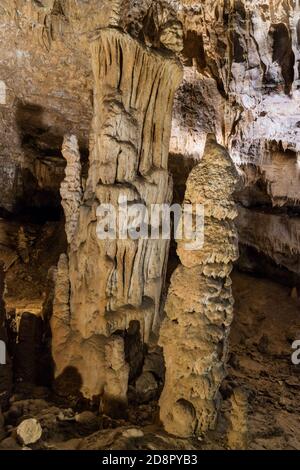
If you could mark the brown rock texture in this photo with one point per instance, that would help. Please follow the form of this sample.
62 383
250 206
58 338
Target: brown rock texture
238 432
241 81
5 365
103 285
71 191
276 235
199 305
99 100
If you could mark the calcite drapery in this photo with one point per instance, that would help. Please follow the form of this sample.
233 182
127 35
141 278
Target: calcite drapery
200 303
113 282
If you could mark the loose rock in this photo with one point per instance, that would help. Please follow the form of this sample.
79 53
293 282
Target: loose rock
29 431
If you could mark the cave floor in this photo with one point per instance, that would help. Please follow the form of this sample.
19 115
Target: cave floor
266 323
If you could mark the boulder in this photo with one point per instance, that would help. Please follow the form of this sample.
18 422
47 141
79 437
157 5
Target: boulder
29 431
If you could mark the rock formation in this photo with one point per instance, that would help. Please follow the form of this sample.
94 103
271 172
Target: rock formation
241 81
79 130
199 306
71 191
238 432
104 284
27 351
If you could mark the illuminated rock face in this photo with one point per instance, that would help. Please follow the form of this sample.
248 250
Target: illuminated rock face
103 285
5 363
241 81
199 305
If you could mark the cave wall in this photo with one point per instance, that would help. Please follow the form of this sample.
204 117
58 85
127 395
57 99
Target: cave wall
241 81
60 144
106 282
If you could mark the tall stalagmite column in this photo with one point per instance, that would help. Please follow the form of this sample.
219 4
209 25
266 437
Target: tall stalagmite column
200 304
112 282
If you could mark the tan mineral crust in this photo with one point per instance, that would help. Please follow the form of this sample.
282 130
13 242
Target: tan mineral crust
124 343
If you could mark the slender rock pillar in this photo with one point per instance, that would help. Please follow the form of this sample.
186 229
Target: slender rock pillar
5 363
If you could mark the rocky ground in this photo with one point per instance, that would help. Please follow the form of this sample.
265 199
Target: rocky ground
241 81
260 397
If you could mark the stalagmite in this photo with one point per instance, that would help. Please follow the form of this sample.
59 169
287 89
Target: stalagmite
115 390
110 282
200 304
71 191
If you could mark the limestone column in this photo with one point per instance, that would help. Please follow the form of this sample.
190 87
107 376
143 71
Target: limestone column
113 282
199 305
